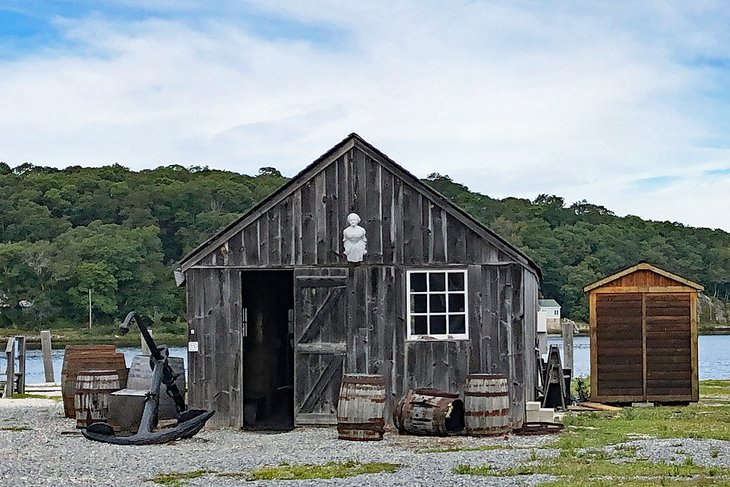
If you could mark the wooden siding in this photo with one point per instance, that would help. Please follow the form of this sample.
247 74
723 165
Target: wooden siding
668 345
403 225
619 341
643 278
644 339
375 338
215 321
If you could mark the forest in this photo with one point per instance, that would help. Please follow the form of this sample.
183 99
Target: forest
120 233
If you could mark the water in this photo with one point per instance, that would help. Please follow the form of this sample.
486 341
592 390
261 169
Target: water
713 355
714 358
34 362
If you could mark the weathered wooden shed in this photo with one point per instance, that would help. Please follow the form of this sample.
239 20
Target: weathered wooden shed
277 314
643 323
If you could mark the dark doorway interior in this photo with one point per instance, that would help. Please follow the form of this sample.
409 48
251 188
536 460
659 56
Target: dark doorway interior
268 355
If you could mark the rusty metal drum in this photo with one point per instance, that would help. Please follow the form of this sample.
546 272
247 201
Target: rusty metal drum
486 404
429 411
91 399
361 407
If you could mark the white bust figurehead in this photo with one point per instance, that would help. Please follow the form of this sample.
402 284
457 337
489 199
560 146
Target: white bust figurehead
356 243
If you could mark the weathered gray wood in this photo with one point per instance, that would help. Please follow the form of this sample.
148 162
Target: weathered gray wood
10 368
47 358
567 329
322 348
319 353
408 227
20 344
320 220
374 212
309 230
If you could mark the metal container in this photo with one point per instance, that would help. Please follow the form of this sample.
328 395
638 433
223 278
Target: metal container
91 397
78 358
486 404
140 373
429 412
361 407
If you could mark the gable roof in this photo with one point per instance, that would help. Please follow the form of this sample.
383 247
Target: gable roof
354 140
643 266
548 303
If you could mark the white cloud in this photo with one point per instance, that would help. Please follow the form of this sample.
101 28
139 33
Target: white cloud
510 100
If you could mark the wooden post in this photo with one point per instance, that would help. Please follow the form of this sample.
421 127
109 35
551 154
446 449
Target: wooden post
568 345
145 348
47 359
20 340
10 369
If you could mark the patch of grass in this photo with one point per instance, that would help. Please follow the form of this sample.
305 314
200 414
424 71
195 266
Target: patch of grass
588 430
36 396
176 479
584 460
588 468
15 428
327 470
450 449
714 388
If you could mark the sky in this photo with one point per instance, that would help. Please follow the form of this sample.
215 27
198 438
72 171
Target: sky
625 104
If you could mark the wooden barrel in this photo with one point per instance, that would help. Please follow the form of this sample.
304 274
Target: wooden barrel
429 412
78 358
361 407
91 398
486 404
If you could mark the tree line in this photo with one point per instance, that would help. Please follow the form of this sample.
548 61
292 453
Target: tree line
120 233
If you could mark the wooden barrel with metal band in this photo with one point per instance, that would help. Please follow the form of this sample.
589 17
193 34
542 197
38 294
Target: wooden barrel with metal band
91 397
429 411
486 405
361 407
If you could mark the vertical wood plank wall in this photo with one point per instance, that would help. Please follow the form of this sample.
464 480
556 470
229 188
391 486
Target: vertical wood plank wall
214 314
405 229
404 226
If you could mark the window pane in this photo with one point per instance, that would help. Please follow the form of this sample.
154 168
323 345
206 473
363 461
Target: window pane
418 281
456 303
457 324
438 325
419 325
438 303
437 281
418 303
456 281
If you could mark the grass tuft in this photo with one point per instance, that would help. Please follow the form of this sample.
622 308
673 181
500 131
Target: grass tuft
328 470
176 479
15 428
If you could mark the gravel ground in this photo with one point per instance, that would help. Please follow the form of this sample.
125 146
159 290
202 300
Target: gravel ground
44 455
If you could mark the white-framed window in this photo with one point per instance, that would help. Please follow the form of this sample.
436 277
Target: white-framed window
556 312
437 304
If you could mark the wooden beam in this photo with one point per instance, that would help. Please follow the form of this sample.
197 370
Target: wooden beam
693 348
643 289
643 266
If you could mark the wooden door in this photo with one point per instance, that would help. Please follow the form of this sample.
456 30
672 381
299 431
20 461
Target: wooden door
320 343
619 346
668 347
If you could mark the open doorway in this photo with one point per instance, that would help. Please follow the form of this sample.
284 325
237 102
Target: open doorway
268 354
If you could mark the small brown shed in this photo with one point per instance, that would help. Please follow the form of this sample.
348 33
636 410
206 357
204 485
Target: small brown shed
643 323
